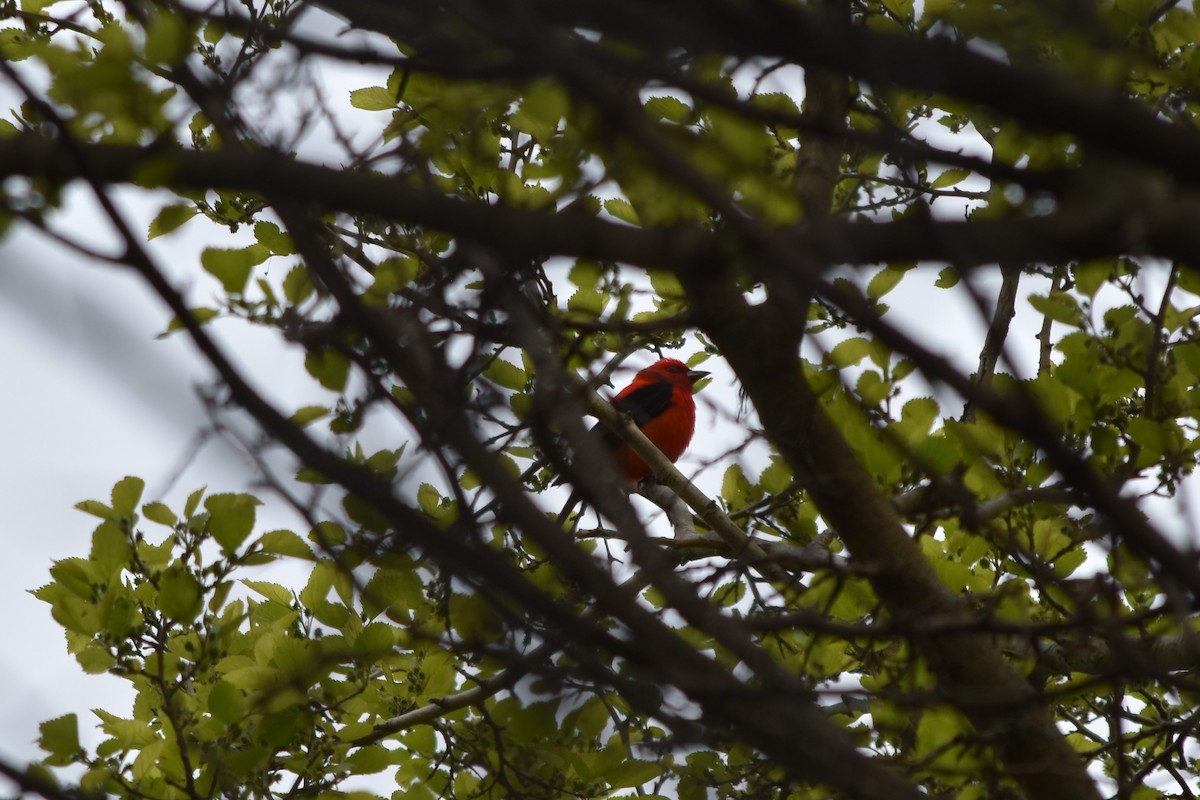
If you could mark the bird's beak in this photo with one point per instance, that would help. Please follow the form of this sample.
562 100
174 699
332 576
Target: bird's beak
696 374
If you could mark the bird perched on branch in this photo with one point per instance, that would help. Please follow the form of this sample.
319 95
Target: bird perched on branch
659 401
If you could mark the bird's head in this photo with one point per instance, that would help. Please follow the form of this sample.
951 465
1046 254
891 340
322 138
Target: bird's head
671 370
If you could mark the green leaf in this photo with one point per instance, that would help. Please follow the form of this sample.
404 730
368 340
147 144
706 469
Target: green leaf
521 404
385 461
592 718
233 267
179 594
937 727
506 374
328 534
727 594
665 284
903 9
1091 275
737 490
1058 306
308 414
884 281
631 772
111 548
916 420
95 659
849 352
15 44
622 210
950 177
777 477
296 285
96 509
542 109
393 274
231 518
226 703
671 109
171 218
286 543
60 738
474 618
373 98
739 140
192 502
156 556
128 733
329 366
126 494
160 513
376 639
1148 434
529 724
396 591
872 388
881 354
1069 561
778 103
271 591
199 315
369 760
168 39
365 514
320 581
1189 278
589 303
469 480
947 278
429 499
271 237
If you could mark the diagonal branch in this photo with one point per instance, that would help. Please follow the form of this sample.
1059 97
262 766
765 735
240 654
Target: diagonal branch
740 545
997 333
973 673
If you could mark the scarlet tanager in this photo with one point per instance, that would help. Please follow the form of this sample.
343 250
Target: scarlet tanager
659 401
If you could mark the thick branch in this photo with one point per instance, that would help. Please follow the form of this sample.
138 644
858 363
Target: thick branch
1148 225
996 698
1095 656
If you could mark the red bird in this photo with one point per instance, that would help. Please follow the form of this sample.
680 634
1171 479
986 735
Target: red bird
659 401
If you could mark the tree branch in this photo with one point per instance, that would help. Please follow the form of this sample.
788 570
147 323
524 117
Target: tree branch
740 546
1161 226
970 667
997 334
1040 96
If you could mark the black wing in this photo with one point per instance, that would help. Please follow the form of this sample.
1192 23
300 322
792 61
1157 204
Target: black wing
642 405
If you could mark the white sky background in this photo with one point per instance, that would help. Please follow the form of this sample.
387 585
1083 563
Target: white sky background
91 396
